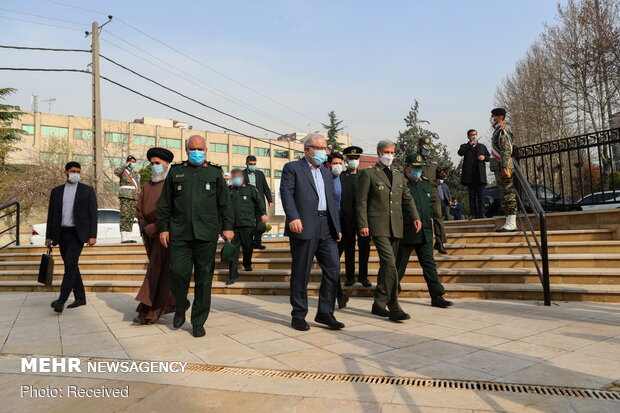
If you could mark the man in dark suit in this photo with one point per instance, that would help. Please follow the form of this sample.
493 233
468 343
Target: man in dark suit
313 226
71 222
257 179
443 190
474 172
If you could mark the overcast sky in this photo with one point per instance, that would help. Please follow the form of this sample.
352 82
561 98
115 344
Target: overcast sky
367 60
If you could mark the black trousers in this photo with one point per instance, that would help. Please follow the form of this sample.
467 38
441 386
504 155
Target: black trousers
347 245
70 250
476 199
321 245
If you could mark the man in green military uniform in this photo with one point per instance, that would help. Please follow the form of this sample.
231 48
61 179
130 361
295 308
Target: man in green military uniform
382 197
194 206
430 170
421 242
501 164
128 197
247 204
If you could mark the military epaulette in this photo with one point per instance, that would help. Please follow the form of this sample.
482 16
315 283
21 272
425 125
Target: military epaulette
217 165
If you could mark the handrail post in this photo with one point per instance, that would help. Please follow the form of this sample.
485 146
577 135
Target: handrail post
18 219
544 255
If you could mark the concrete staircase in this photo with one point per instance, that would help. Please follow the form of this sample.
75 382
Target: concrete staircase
584 265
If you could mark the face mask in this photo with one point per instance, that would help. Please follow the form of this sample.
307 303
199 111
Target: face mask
196 157
319 157
251 168
131 165
74 178
386 159
157 169
492 121
337 169
353 163
425 152
237 181
415 174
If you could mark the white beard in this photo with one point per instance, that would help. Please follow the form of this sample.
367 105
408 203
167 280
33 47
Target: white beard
158 177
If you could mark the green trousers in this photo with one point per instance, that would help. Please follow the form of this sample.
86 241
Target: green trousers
386 291
424 252
243 240
199 256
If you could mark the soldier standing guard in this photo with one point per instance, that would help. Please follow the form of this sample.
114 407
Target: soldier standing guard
128 197
193 206
501 165
421 242
425 145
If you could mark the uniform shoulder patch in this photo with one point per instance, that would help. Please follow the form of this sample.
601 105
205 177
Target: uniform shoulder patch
217 165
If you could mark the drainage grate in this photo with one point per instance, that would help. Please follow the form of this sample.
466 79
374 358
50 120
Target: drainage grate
414 382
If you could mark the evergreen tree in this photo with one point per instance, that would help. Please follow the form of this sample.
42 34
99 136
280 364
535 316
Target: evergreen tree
8 136
333 129
407 141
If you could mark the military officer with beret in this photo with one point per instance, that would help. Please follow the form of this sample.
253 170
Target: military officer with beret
247 204
501 164
194 205
350 231
129 187
421 242
382 198
431 171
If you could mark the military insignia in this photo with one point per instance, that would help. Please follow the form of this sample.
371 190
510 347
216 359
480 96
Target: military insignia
380 183
380 187
418 158
208 186
179 175
245 197
179 187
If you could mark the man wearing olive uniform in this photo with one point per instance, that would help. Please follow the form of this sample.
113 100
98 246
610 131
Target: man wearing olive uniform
420 242
194 203
501 165
128 197
425 145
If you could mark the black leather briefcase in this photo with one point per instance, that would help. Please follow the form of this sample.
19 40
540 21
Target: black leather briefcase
46 268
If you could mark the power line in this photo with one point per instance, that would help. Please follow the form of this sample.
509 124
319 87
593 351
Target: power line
189 98
76 7
29 69
43 48
42 17
42 24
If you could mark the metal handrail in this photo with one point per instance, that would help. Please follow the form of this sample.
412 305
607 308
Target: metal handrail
16 211
539 213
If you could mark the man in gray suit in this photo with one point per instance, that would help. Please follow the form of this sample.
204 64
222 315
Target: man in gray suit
313 227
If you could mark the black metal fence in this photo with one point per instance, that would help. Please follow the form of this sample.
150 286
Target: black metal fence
10 215
577 171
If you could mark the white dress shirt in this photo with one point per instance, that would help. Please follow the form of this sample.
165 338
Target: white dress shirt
68 199
320 186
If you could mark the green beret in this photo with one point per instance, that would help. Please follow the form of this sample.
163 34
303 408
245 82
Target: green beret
415 159
228 253
425 143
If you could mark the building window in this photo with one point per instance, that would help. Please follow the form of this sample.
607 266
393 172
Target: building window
84 134
278 153
29 129
241 150
53 158
116 137
299 155
267 172
261 151
218 147
144 140
277 173
170 143
83 159
111 161
54 131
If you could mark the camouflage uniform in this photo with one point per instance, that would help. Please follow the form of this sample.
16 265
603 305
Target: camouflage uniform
501 149
128 196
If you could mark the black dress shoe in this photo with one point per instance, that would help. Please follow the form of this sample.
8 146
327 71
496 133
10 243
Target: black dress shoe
232 281
440 302
198 331
78 302
381 312
299 324
247 268
366 283
349 283
342 300
399 316
179 317
260 247
58 305
329 320
440 248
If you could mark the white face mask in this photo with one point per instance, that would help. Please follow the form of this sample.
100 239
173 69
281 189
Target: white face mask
353 163
74 178
337 169
492 121
386 159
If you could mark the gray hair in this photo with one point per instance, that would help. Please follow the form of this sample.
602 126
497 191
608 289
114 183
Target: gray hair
385 143
309 138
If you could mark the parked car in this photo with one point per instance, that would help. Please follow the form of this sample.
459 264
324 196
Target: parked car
549 200
108 229
600 200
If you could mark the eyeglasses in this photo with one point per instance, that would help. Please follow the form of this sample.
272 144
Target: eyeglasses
317 147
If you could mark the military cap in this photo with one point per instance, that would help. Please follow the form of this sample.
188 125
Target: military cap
228 252
352 152
415 159
498 112
161 153
425 143
130 157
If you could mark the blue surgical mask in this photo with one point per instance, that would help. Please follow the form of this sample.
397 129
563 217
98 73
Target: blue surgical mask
415 174
425 152
157 169
319 157
196 157
237 181
131 165
251 168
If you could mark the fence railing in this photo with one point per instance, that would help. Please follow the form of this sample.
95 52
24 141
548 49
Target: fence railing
6 212
579 170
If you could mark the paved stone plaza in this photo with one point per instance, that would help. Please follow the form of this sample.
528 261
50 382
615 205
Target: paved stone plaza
575 344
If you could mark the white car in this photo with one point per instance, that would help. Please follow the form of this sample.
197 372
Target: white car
608 202
108 229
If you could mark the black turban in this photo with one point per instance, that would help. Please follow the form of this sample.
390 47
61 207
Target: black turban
498 112
161 153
